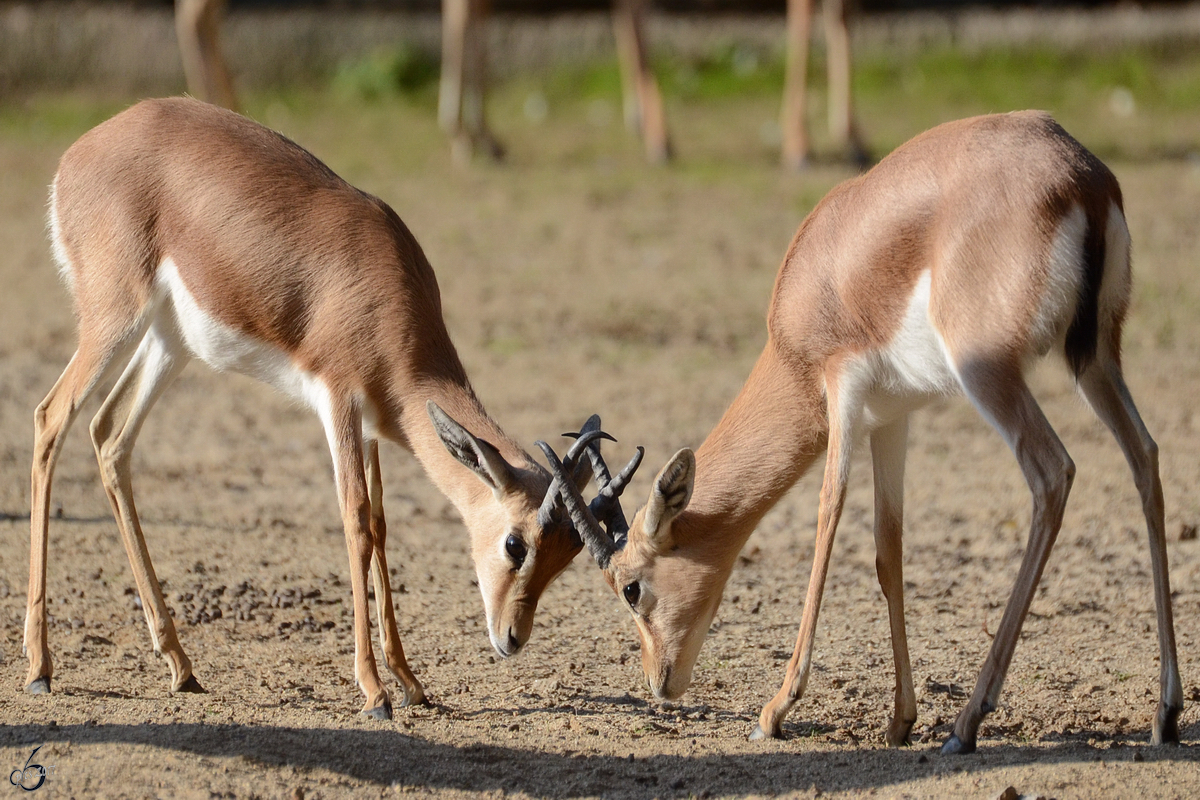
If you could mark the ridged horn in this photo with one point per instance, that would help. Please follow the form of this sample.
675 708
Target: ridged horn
545 514
606 506
599 543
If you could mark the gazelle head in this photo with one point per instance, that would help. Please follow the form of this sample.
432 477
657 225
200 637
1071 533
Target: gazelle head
520 538
671 584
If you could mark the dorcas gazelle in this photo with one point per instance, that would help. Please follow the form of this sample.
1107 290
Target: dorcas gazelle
186 231
959 260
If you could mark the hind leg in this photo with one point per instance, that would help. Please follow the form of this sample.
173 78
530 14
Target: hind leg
155 365
1104 387
92 363
198 27
1001 395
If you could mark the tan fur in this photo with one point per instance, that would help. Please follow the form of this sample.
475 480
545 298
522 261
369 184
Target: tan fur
275 246
977 206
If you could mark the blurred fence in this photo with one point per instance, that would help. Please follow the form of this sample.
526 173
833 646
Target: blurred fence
269 43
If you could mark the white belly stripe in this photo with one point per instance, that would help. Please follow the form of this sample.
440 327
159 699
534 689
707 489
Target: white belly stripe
225 349
910 370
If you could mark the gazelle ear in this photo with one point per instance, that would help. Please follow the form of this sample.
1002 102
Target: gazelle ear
670 495
475 454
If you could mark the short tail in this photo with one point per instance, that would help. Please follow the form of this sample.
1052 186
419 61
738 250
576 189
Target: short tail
1083 335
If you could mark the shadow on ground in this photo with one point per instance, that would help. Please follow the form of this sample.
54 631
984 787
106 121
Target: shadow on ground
389 757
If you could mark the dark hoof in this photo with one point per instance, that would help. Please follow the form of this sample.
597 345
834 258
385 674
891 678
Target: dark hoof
42 686
191 686
955 746
898 739
660 155
758 734
1166 726
420 701
379 712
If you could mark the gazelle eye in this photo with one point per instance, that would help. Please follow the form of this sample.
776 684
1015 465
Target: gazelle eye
516 550
633 593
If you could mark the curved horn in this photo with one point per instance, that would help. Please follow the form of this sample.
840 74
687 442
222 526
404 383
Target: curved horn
599 468
590 434
607 503
598 542
606 506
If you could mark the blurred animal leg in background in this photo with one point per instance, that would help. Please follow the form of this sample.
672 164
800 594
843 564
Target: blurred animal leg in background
461 106
197 25
842 127
642 98
795 86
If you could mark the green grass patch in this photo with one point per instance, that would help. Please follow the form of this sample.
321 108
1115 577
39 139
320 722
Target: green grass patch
729 70
389 73
1163 79
722 107
65 116
1134 102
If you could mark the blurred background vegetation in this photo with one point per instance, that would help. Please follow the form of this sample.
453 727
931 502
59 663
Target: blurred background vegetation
1125 78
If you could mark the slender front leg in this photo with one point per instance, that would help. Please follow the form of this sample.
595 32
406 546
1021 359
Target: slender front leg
642 98
1105 389
888 446
153 368
842 420
1001 395
389 636
343 427
51 421
795 90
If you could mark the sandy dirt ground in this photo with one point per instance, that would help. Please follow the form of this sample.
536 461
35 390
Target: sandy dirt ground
575 282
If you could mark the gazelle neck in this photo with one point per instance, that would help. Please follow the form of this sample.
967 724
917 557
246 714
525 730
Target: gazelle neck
767 439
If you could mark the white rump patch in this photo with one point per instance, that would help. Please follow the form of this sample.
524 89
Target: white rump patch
1115 285
57 248
915 360
1064 274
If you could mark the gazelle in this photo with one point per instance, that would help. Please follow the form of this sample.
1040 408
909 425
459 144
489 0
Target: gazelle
964 256
186 231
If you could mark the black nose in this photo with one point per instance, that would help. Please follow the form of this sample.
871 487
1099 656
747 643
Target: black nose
514 644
